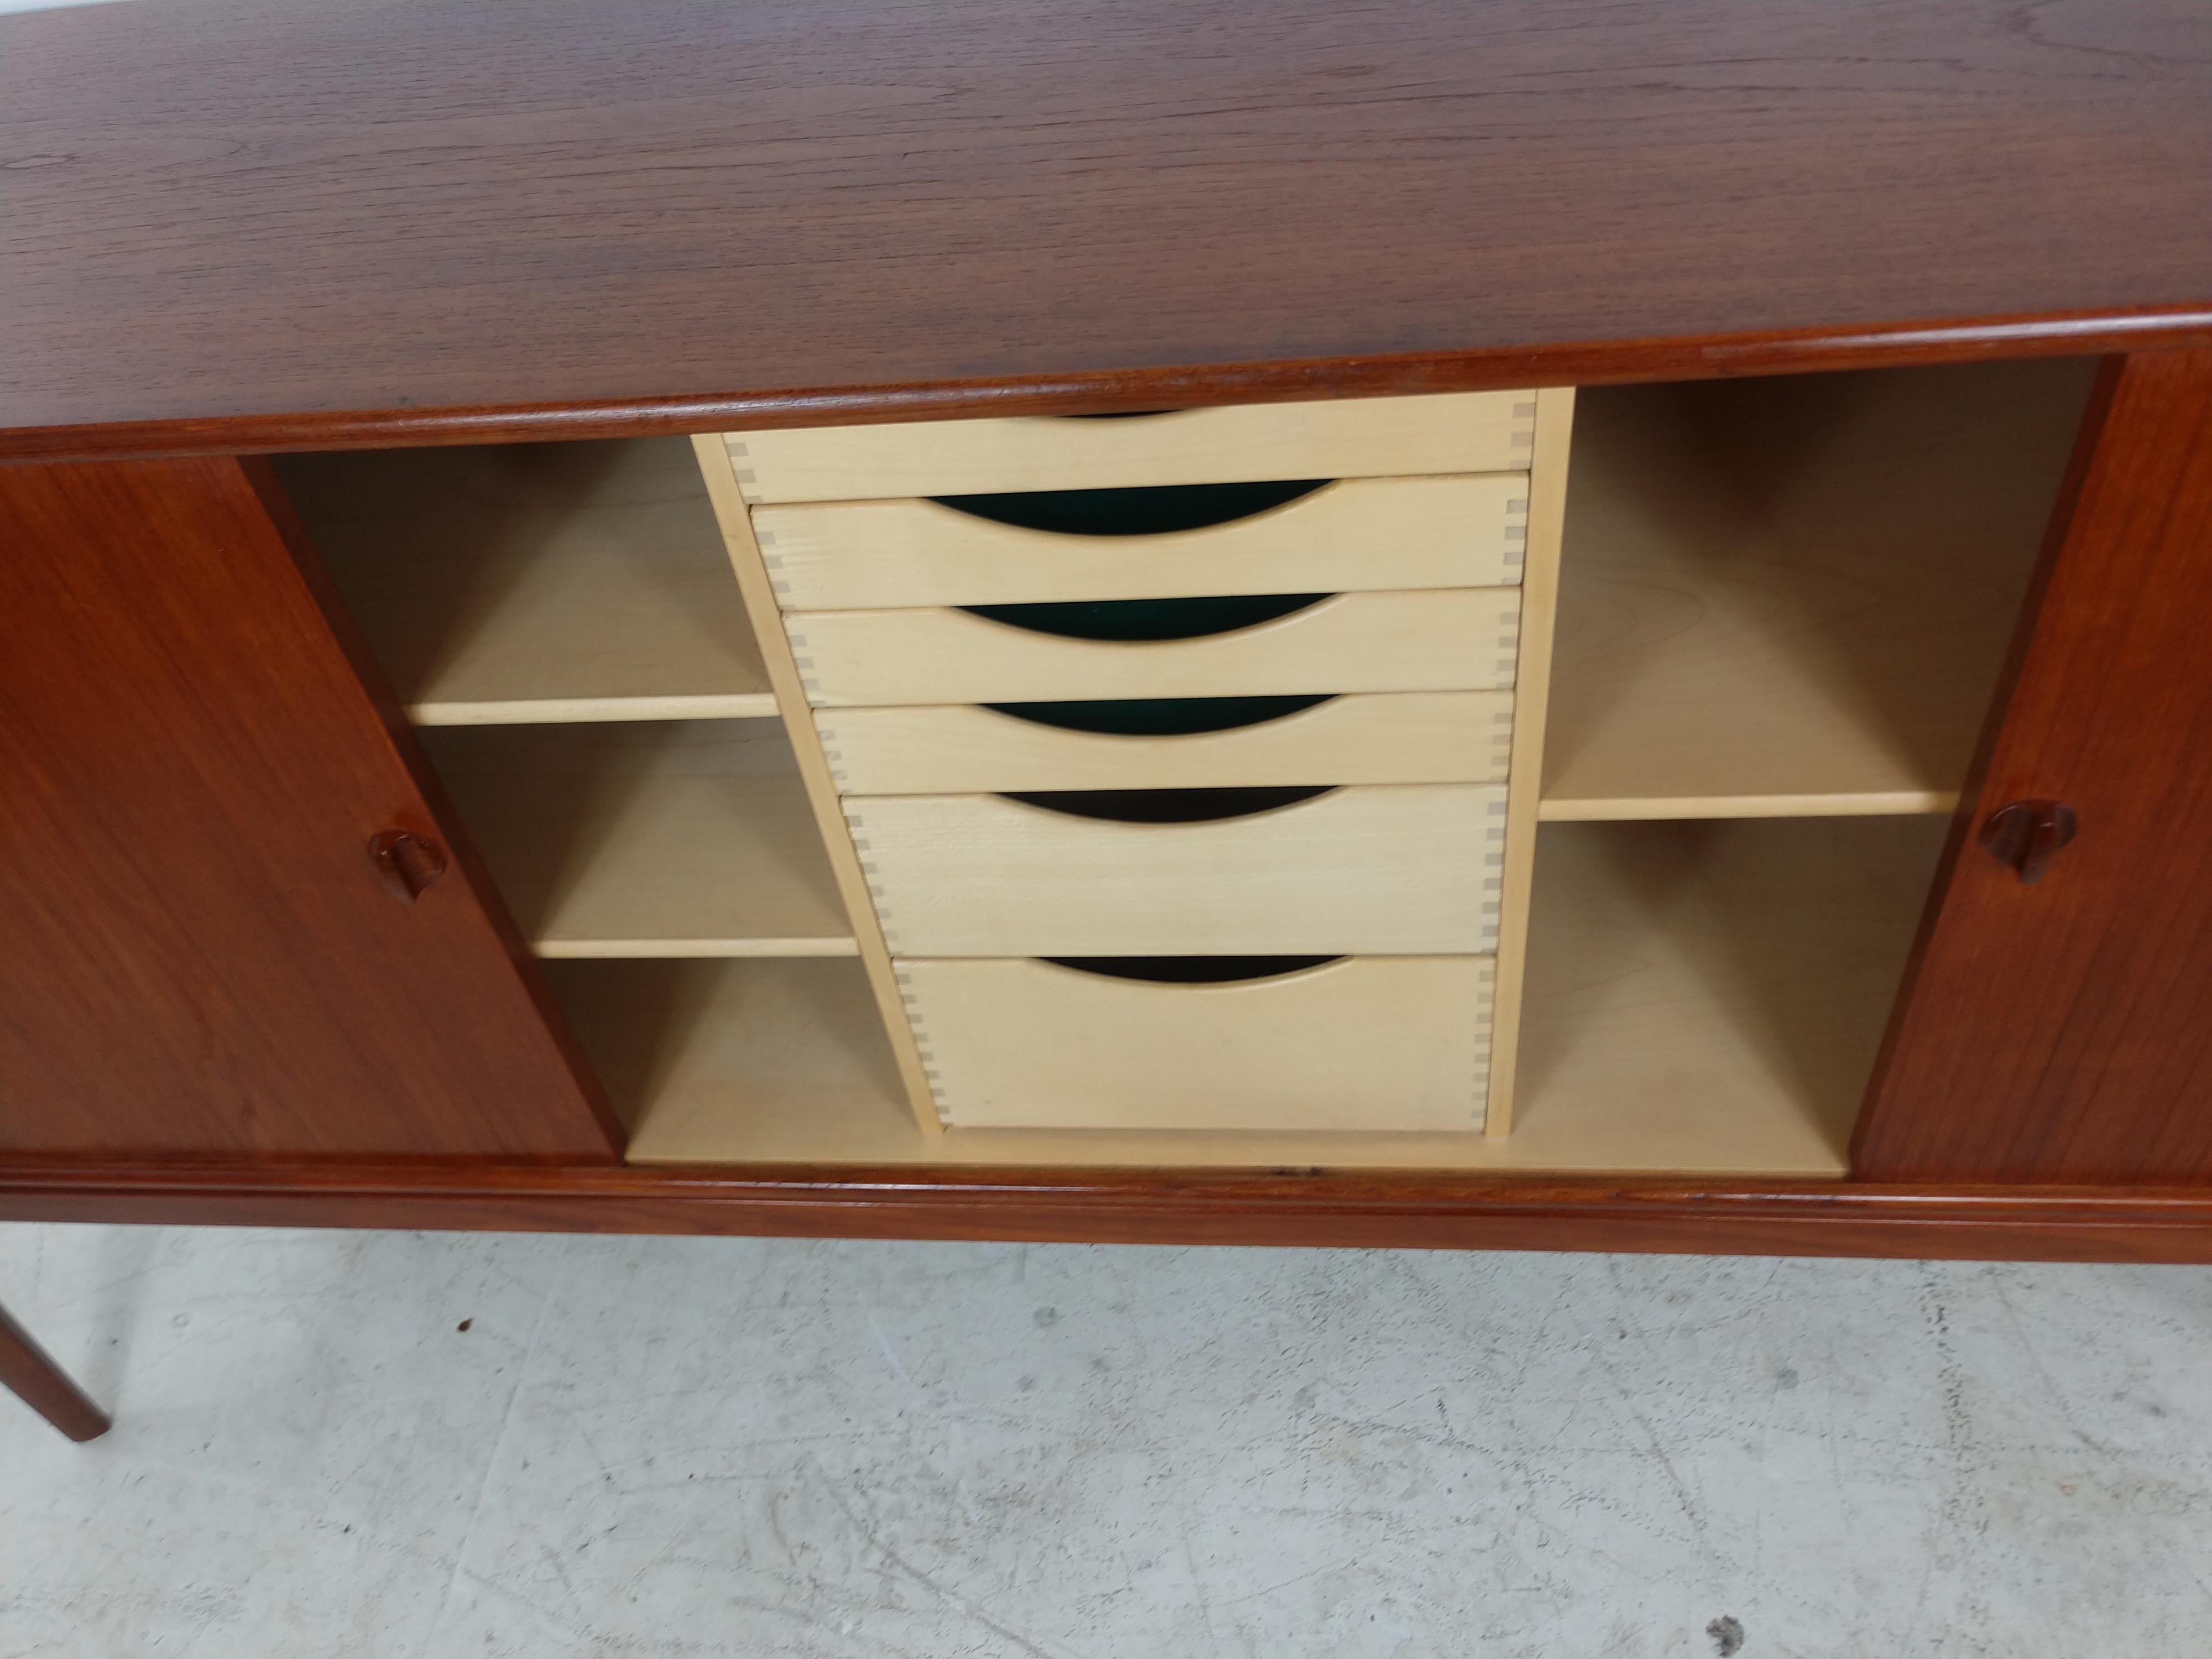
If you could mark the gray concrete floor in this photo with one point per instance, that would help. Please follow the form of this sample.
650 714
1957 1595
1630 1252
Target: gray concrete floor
701 1446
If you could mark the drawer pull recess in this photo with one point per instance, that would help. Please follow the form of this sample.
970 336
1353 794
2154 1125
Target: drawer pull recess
1168 805
1160 717
1146 619
1191 970
1141 510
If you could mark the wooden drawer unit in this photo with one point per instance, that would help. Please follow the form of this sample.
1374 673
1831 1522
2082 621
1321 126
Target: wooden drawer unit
1257 682
1362 1043
1442 640
1353 535
1385 870
1405 737
1359 438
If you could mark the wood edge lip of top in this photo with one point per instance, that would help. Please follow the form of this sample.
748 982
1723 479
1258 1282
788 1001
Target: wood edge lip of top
1107 390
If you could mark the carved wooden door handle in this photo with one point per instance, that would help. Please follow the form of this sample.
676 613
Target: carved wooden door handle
405 863
2027 835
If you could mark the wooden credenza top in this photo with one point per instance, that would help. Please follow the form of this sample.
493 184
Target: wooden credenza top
232 224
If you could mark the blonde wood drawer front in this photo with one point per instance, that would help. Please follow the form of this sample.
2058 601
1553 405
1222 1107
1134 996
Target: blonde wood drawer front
1438 639
1361 534
1366 1042
1405 737
1349 438
1395 871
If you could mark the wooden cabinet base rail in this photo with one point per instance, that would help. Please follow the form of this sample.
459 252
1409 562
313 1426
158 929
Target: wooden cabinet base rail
1152 1206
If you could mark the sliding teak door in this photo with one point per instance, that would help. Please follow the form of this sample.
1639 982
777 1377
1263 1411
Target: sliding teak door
2057 1022
232 923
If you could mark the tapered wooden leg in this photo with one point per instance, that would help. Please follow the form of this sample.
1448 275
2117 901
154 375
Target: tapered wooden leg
30 1374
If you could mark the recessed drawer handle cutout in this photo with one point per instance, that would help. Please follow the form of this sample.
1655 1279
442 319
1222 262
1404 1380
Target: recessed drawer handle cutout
1192 970
1142 510
1134 620
1160 717
1167 805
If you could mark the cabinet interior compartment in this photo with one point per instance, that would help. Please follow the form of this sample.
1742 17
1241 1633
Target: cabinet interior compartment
1724 983
1783 607
1702 996
1793 595
646 837
561 622
535 583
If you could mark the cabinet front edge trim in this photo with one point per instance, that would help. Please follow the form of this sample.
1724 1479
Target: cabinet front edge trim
1099 391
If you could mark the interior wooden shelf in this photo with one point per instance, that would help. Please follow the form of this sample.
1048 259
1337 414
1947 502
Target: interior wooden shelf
1793 596
1703 996
647 838
531 582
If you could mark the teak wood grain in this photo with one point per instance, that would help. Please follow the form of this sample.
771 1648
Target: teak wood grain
2062 1031
200 960
238 225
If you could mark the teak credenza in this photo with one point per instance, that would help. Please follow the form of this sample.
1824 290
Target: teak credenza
1364 626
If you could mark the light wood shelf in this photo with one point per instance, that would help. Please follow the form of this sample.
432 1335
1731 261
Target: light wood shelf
1701 997
1793 596
647 838
535 582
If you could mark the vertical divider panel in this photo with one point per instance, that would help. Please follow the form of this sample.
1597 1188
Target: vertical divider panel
1531 691
767 617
